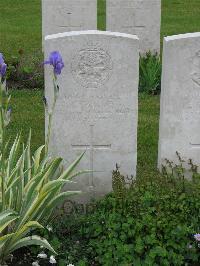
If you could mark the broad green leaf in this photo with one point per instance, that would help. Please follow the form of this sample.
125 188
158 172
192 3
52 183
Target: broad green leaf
5 237
28 203
27 160
5 214
6 217
80 173
53 184
15 171
6 222
52 169
12 185
37 158
70 169
13 154
31 241
3 240
24 230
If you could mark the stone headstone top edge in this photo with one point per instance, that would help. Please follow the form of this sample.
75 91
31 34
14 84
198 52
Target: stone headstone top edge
182 36
90 32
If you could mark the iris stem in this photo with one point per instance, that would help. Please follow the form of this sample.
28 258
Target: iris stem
50 116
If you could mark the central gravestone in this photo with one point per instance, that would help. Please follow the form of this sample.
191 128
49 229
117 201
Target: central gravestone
98 105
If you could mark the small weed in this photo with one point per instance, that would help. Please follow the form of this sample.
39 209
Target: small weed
150 74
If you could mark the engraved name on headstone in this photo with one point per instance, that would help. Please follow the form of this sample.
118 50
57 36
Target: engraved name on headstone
97 106
180 99
139 17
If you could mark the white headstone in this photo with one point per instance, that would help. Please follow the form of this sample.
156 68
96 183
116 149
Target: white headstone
139 17
97 109
180 99
68 15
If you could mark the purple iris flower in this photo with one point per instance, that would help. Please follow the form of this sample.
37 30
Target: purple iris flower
3 66
55 60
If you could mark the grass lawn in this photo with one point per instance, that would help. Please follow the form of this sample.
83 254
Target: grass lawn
27 112
20 27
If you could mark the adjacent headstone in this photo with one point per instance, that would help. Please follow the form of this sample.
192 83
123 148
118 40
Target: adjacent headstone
139 17
68 15
180 99
97 109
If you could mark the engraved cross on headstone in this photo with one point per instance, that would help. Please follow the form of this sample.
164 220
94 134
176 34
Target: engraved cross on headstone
91 146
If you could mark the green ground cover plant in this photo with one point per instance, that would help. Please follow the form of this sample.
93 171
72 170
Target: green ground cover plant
151 221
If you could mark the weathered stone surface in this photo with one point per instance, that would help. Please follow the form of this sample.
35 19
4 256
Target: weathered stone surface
180 99
68 15
139 17
97 109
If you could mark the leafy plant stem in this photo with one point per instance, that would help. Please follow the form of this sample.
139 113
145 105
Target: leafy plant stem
50 115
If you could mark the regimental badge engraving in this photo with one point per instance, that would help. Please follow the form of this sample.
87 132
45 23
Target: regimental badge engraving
92 67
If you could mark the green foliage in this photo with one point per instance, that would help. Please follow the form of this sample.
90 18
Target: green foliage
25 71
150 74
30 186
151 224
118 184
